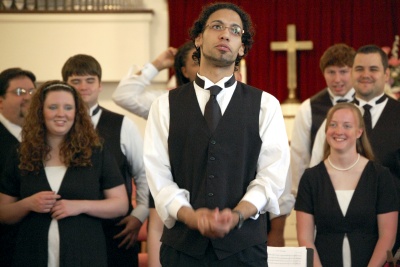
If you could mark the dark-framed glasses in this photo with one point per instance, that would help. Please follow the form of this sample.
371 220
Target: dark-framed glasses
235 29
21 91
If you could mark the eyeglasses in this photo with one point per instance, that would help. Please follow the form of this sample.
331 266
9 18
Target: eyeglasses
235 30
21 91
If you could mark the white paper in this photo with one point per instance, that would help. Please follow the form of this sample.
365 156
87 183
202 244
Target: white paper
287 256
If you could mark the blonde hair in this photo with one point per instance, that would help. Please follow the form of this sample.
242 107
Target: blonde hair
363 145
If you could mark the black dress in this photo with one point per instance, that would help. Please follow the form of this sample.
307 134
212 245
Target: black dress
81 237
375 194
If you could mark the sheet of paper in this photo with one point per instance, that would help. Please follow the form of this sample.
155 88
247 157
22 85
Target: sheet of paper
287 256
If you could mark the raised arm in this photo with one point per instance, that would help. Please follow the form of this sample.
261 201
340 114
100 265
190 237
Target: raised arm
133 93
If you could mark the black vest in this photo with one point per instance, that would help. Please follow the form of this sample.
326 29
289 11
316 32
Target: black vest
385 142
320 105
216 168
385 137
109 128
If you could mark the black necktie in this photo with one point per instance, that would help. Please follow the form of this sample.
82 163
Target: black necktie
212 111
367 113
342 100
367 118
95 111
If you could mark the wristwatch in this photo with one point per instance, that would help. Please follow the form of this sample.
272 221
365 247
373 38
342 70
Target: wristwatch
241 219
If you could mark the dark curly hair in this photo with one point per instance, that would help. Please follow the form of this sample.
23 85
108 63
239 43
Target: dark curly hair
180 61
76 149
200 23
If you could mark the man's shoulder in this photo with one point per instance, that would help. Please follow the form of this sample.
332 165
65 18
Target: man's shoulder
181 89
6 137
251 88
3 130
305 104
394 104
111 113
2 126
321 94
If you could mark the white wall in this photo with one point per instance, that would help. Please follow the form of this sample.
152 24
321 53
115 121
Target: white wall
106 101
42 42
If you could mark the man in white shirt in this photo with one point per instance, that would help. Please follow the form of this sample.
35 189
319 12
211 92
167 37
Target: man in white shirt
121 134
213 179
335 64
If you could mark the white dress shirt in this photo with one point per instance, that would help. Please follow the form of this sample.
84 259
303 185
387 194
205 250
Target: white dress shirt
300 145
132 148
318 149
133 93
273 162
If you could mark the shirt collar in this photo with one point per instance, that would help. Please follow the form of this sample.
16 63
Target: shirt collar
349 96
205 83
14 129
373 102
94 110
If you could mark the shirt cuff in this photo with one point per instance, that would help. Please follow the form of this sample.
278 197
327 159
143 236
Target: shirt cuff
141 212
286 204
262 200
173 209
149 71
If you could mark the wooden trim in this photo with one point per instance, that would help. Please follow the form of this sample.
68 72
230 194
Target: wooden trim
133 11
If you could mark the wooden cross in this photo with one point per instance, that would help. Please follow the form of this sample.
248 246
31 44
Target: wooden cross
291 46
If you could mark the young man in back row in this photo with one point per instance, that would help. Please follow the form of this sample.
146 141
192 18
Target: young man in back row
335 64
120 133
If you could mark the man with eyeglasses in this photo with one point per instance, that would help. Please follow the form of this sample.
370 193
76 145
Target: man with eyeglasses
16 89
216 153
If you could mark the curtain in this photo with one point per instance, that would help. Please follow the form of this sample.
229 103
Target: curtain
324 22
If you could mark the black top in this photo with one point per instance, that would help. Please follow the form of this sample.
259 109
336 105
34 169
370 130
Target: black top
7 142
375 194
7 232
81 237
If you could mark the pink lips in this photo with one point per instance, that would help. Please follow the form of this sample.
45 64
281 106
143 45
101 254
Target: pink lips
223 48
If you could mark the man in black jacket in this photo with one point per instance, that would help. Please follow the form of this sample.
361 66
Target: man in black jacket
16 88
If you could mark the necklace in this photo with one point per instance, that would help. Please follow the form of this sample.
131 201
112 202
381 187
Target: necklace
344 169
